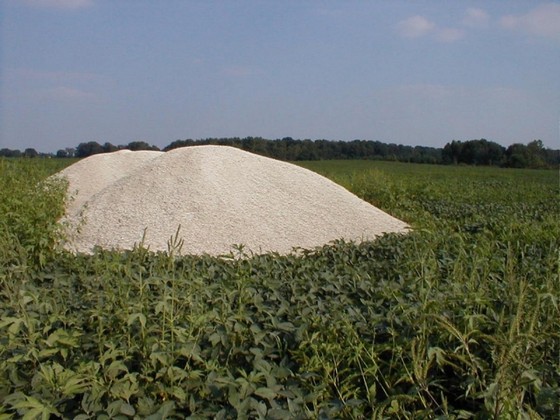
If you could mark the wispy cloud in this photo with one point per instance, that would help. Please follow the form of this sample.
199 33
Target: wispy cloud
475 17
415 27
60 4
544 20
419 26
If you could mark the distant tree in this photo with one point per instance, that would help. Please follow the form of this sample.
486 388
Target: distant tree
517 156
140 145
30 153
88 149
179 143
308 151
10 153
452 151
108 148
422 154
552 157
495 153
532 155
473 152
61 153
537 154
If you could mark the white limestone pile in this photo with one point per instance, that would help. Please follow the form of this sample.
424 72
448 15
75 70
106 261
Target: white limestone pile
219 196
89 176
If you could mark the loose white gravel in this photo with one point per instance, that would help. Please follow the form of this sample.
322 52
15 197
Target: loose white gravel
89 176
219 196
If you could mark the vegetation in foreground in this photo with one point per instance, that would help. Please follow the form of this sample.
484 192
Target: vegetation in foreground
458 319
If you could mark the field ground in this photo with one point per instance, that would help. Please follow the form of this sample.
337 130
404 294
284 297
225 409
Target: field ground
458 319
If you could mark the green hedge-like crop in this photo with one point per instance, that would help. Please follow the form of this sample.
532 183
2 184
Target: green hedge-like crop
458 319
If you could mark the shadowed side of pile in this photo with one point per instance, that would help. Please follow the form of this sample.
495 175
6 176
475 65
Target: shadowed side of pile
221 196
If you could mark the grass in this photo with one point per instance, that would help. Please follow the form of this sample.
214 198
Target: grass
458 319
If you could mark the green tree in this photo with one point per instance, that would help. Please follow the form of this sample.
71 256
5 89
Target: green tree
88 149
10 153
517 156
30 153
140 145
108 148
536 154
452 151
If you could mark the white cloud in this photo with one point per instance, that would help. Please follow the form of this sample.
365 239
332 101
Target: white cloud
475 17
415 27
60 4
543 20
449 34
419 26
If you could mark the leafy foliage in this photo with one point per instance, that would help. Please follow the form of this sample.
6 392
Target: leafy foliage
29 208
470 152
458 319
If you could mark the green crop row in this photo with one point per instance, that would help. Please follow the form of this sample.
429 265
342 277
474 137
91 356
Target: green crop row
458 319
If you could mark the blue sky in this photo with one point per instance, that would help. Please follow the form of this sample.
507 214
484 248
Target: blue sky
409 72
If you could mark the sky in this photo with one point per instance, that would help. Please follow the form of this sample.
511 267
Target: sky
422 72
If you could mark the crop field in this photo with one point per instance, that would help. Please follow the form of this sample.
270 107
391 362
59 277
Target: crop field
458 319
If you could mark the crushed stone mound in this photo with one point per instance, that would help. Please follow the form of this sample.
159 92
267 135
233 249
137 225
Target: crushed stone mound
89 176
220 196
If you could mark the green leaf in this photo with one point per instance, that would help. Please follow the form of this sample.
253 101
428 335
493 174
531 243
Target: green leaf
179 393
279 414
137 316
61 336
214 339
125 388
265 393
115 369
15 326
46 353
165 410
7 320
75 384
33 408
127 410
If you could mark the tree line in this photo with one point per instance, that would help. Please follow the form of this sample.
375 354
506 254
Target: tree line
484 152
470 152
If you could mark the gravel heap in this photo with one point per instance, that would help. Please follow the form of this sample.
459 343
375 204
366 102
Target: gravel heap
219 196
89 176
